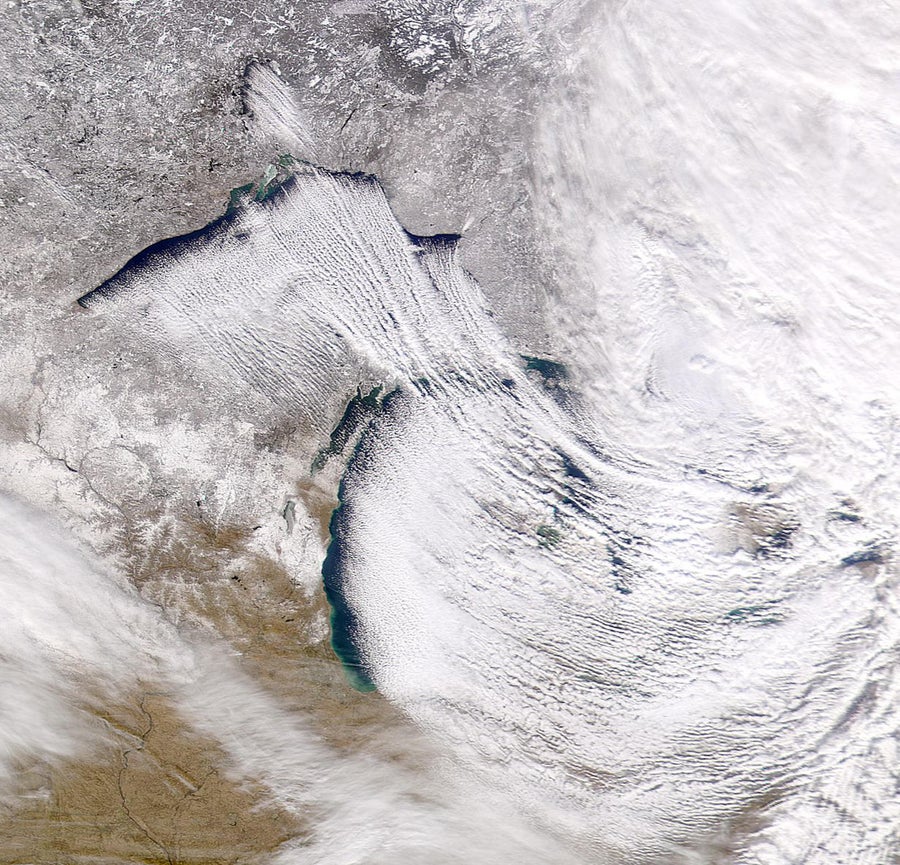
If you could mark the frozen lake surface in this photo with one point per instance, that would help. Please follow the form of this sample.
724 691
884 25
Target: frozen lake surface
603 486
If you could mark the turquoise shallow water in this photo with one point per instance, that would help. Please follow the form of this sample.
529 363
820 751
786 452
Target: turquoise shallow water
344 623
361 411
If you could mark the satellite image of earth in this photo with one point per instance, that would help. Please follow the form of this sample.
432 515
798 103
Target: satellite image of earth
450 432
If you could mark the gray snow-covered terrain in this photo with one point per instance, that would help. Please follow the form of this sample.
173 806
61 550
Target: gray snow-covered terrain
474 440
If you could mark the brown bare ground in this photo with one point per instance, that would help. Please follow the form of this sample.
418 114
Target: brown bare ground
156 793
160 793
